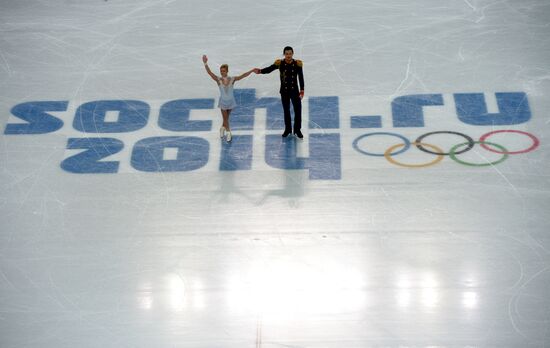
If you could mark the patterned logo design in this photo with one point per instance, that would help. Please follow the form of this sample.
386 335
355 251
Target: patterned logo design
125 136
393 151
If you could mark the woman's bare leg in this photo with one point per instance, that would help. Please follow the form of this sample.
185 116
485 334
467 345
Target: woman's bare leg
225 115
228 135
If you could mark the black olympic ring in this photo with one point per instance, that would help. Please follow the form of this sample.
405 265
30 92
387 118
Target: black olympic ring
452 153
470 143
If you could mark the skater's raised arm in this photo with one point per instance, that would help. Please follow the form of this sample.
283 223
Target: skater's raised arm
212 75
240 77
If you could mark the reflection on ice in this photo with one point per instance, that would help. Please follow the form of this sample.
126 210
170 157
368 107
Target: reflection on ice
176 292
289 288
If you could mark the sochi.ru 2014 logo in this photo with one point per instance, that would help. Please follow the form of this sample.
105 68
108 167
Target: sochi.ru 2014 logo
176 142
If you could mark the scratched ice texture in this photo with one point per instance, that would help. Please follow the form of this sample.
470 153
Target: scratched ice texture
271 242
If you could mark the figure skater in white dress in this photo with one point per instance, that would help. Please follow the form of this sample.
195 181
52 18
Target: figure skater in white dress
227 101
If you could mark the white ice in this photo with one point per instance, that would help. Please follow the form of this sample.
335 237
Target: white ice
384 256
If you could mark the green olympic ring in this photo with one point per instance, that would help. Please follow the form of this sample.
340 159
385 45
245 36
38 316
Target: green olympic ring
452 154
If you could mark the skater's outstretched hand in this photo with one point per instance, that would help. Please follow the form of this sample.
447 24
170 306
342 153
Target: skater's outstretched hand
240 77
204 58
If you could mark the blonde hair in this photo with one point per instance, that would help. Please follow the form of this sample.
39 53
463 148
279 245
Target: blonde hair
224 66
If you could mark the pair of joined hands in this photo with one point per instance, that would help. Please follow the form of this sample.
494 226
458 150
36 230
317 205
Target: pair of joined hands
255 70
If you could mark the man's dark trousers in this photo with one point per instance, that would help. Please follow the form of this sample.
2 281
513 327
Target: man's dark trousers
286 98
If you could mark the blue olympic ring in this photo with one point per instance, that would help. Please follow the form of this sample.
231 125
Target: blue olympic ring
405 148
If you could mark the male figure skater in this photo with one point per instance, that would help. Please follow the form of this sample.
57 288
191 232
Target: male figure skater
291 72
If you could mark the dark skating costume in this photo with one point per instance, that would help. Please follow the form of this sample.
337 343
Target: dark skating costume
290 74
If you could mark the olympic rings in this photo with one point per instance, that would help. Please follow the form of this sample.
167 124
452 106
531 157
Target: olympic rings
536 142
469 144
452 155
468 148
439 157
407 143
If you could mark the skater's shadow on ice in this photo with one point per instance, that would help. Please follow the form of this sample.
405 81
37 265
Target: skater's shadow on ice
292 191
235 155
282 154
228 188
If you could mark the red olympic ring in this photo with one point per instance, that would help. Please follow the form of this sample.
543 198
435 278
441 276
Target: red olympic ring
536 142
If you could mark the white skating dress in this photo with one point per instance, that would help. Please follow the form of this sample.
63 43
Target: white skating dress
227 98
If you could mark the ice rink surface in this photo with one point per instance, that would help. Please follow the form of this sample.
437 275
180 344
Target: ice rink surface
126 221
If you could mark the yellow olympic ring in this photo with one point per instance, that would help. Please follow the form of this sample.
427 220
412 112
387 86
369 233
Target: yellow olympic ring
438 159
